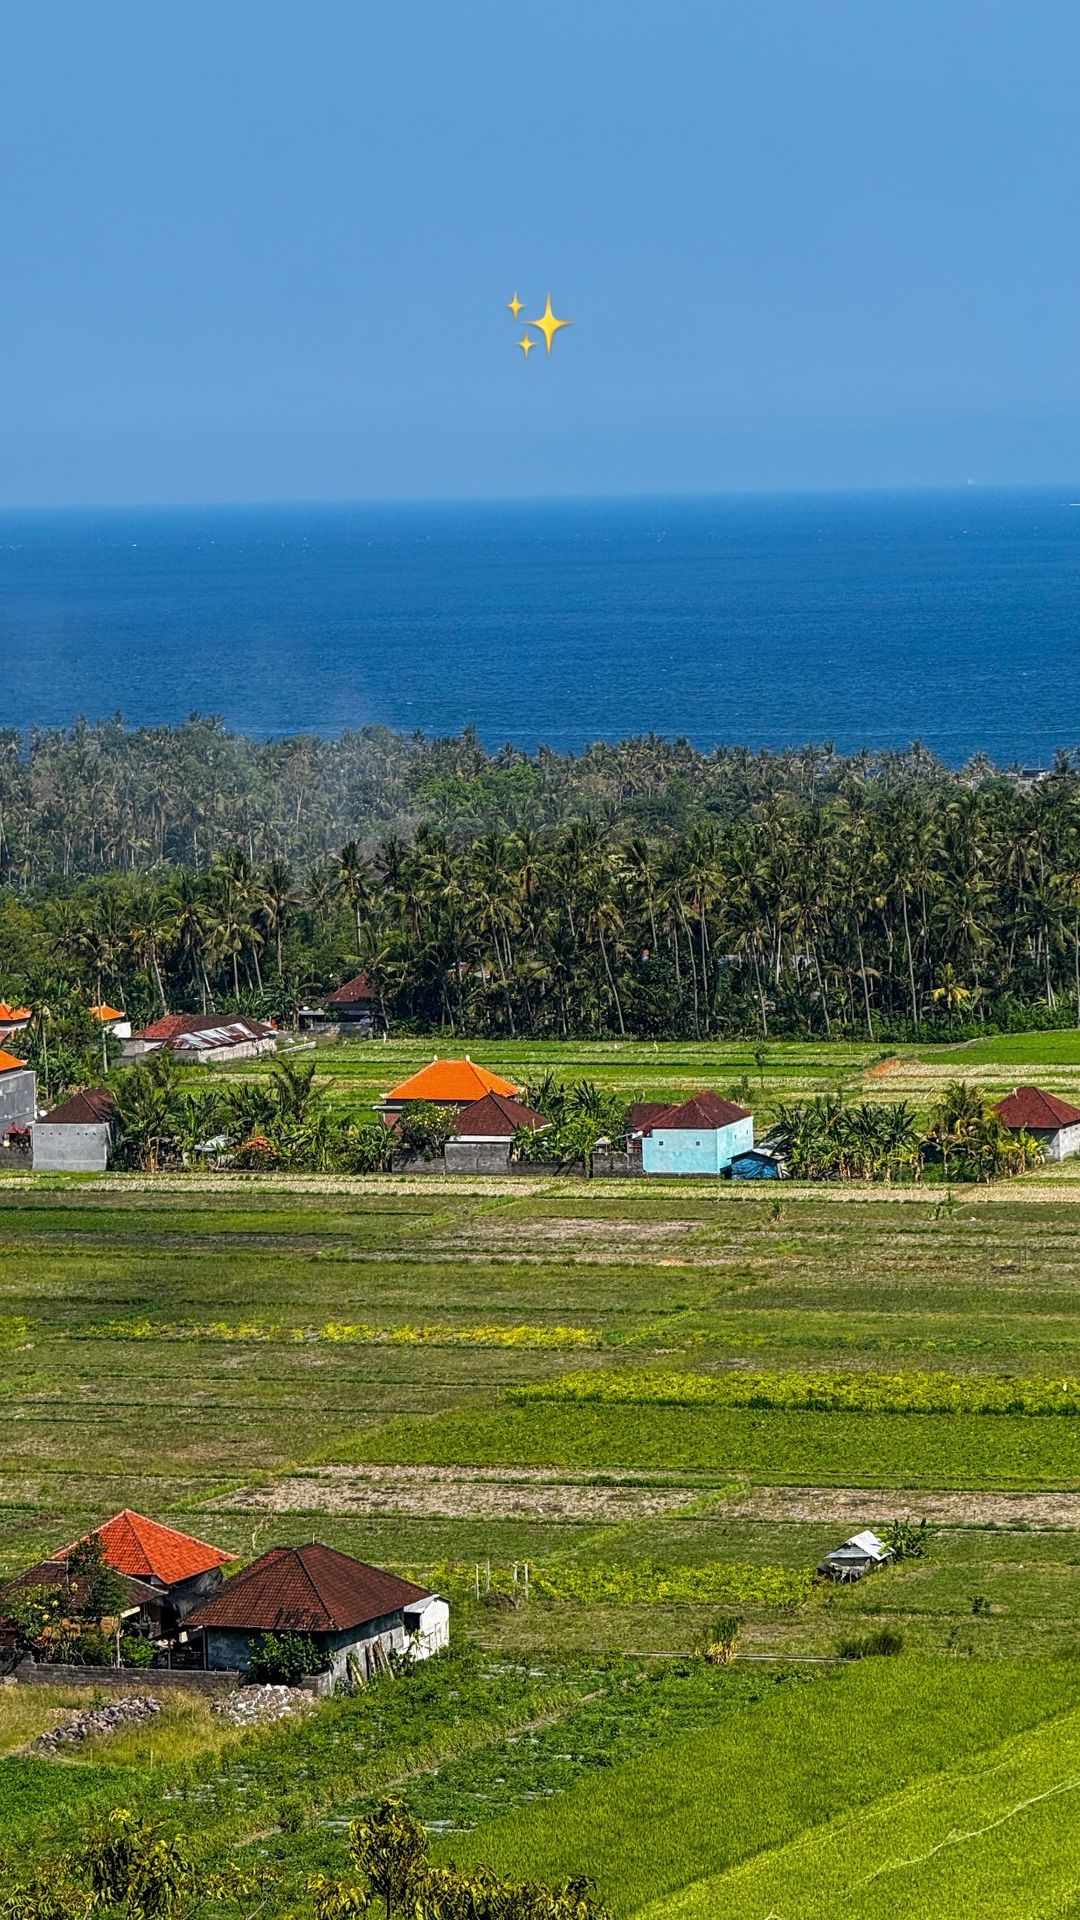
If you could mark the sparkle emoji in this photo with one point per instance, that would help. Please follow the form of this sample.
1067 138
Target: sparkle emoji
526 343
515 305
548 325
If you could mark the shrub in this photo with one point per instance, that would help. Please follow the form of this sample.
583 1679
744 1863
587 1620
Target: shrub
136 1650
282 1659
882 1644
425 1129
908 1541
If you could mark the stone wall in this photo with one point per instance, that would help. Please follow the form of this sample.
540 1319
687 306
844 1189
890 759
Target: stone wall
70 1149
145 1679
18 1099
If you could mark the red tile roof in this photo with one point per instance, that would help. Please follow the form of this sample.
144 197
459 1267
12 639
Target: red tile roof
1031 1108
144 1548
311 1589
457 1082
359 988
87 1109
645 1112
496 1117
705 1112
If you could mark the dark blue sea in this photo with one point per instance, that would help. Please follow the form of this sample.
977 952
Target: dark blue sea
866 620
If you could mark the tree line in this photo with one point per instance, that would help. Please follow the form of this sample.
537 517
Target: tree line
640 889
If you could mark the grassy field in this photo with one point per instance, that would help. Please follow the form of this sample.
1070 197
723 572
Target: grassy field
456 1378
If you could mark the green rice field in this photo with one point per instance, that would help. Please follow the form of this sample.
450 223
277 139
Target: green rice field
667 1400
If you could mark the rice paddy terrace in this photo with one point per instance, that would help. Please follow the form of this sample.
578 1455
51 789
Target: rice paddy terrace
668 1401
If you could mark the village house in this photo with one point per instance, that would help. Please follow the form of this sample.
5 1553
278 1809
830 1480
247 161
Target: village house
357 1615
12 1019
700 1136
75 1137
485 1131
353 1007
445 1083
168 1572
206 1037
114 1021
1052 1122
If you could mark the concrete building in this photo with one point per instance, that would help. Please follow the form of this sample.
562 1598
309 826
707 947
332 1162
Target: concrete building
1050 1121
355 1614
75 1137
701 1136
18 1094
485 1132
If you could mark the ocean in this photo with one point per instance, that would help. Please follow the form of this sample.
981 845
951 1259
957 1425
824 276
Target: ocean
867 620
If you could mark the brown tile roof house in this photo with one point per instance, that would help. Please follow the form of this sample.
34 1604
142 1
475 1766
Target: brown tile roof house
344 1604
496 1117
703 1111
1053 1122
355 992
93 1108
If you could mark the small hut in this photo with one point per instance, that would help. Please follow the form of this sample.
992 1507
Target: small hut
863 1553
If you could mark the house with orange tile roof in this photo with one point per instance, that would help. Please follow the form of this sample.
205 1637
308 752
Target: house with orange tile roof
170 1572
114 1020
445 1083
12 1019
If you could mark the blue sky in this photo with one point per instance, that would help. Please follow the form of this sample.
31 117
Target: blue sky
259 249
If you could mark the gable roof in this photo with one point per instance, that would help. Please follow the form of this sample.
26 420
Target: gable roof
496 1117
645 1112
1030 1107
459 1082
312 1589
704 1112
9 1062
86 1109
9 1015
358 988
108 1013
861 1546
147 1550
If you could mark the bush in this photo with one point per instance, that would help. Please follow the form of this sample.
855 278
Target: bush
425 1129
722 1640
282 1659
92 1648
136 1650
884 1644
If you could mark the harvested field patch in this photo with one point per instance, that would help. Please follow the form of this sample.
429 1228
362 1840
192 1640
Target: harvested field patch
473 1492
872 1506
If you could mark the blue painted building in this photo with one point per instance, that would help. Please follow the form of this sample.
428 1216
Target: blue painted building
701 1136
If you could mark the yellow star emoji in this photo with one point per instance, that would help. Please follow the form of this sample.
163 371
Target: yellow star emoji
526 345
548 324
515 305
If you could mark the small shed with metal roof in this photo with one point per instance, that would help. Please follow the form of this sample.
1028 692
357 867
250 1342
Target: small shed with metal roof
862 1554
